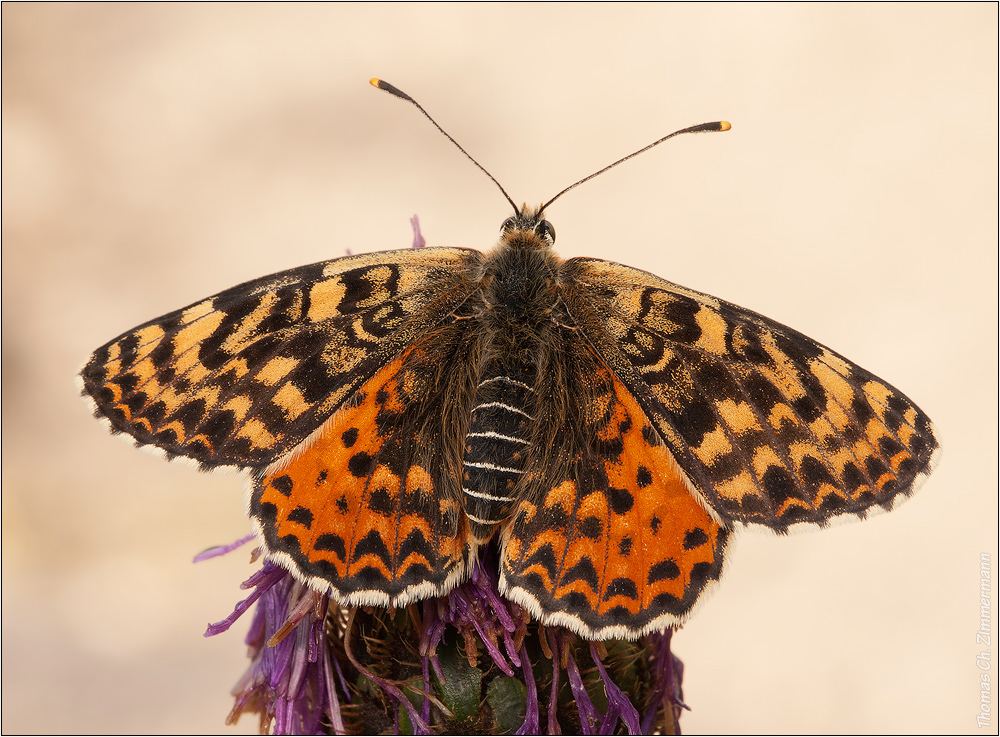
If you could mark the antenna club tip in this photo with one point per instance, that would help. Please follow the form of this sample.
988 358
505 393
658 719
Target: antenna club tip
725 125
386 87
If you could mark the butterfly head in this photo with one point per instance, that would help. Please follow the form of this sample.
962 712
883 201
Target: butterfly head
528 229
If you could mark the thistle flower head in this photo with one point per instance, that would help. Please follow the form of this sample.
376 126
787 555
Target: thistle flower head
470 661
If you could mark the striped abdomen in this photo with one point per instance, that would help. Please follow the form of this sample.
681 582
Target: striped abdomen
496 447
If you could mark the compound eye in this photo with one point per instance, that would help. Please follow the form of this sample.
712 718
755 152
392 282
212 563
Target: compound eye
508 224
546 231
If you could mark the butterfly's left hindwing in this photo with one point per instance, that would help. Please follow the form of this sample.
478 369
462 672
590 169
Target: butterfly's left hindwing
244 376
769 427
371 504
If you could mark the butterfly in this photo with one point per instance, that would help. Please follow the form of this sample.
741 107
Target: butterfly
397 411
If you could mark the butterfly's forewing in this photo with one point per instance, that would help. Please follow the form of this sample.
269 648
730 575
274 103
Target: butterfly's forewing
371 504
241 378
769 427
608 540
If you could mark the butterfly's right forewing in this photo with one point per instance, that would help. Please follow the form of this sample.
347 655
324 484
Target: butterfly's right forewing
770 427
244 376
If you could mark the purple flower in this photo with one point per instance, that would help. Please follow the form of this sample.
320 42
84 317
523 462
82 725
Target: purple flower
470 661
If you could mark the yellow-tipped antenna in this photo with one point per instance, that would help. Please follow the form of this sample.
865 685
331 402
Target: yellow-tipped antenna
703 128
385 86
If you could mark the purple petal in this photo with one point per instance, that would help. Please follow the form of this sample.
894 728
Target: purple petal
425 710
585 707
619 705
218 550
225 624
554 695
330 686
418 240
530 725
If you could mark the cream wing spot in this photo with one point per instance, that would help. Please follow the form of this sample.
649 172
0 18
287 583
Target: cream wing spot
291 400
276 370
191 336
738 416
713 328
325 298
193 313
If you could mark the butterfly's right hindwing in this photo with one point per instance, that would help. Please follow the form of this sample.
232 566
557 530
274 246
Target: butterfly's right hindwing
242 377
606 539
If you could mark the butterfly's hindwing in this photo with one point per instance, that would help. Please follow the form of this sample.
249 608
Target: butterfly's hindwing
242 377
770 427
371 504
607 539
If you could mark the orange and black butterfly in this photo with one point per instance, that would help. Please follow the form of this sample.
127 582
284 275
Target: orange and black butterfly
400 409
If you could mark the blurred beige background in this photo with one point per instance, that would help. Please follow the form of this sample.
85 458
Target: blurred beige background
156 154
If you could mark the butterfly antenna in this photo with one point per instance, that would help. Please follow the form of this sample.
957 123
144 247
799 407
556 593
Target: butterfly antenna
703 128
385 86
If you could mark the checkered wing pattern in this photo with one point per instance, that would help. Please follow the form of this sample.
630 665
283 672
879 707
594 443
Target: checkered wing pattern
769 427
241 378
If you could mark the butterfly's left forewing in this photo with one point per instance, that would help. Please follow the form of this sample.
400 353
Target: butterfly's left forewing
330 382
241 378
769 427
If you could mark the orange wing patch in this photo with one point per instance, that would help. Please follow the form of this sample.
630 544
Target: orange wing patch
354 510
623 548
